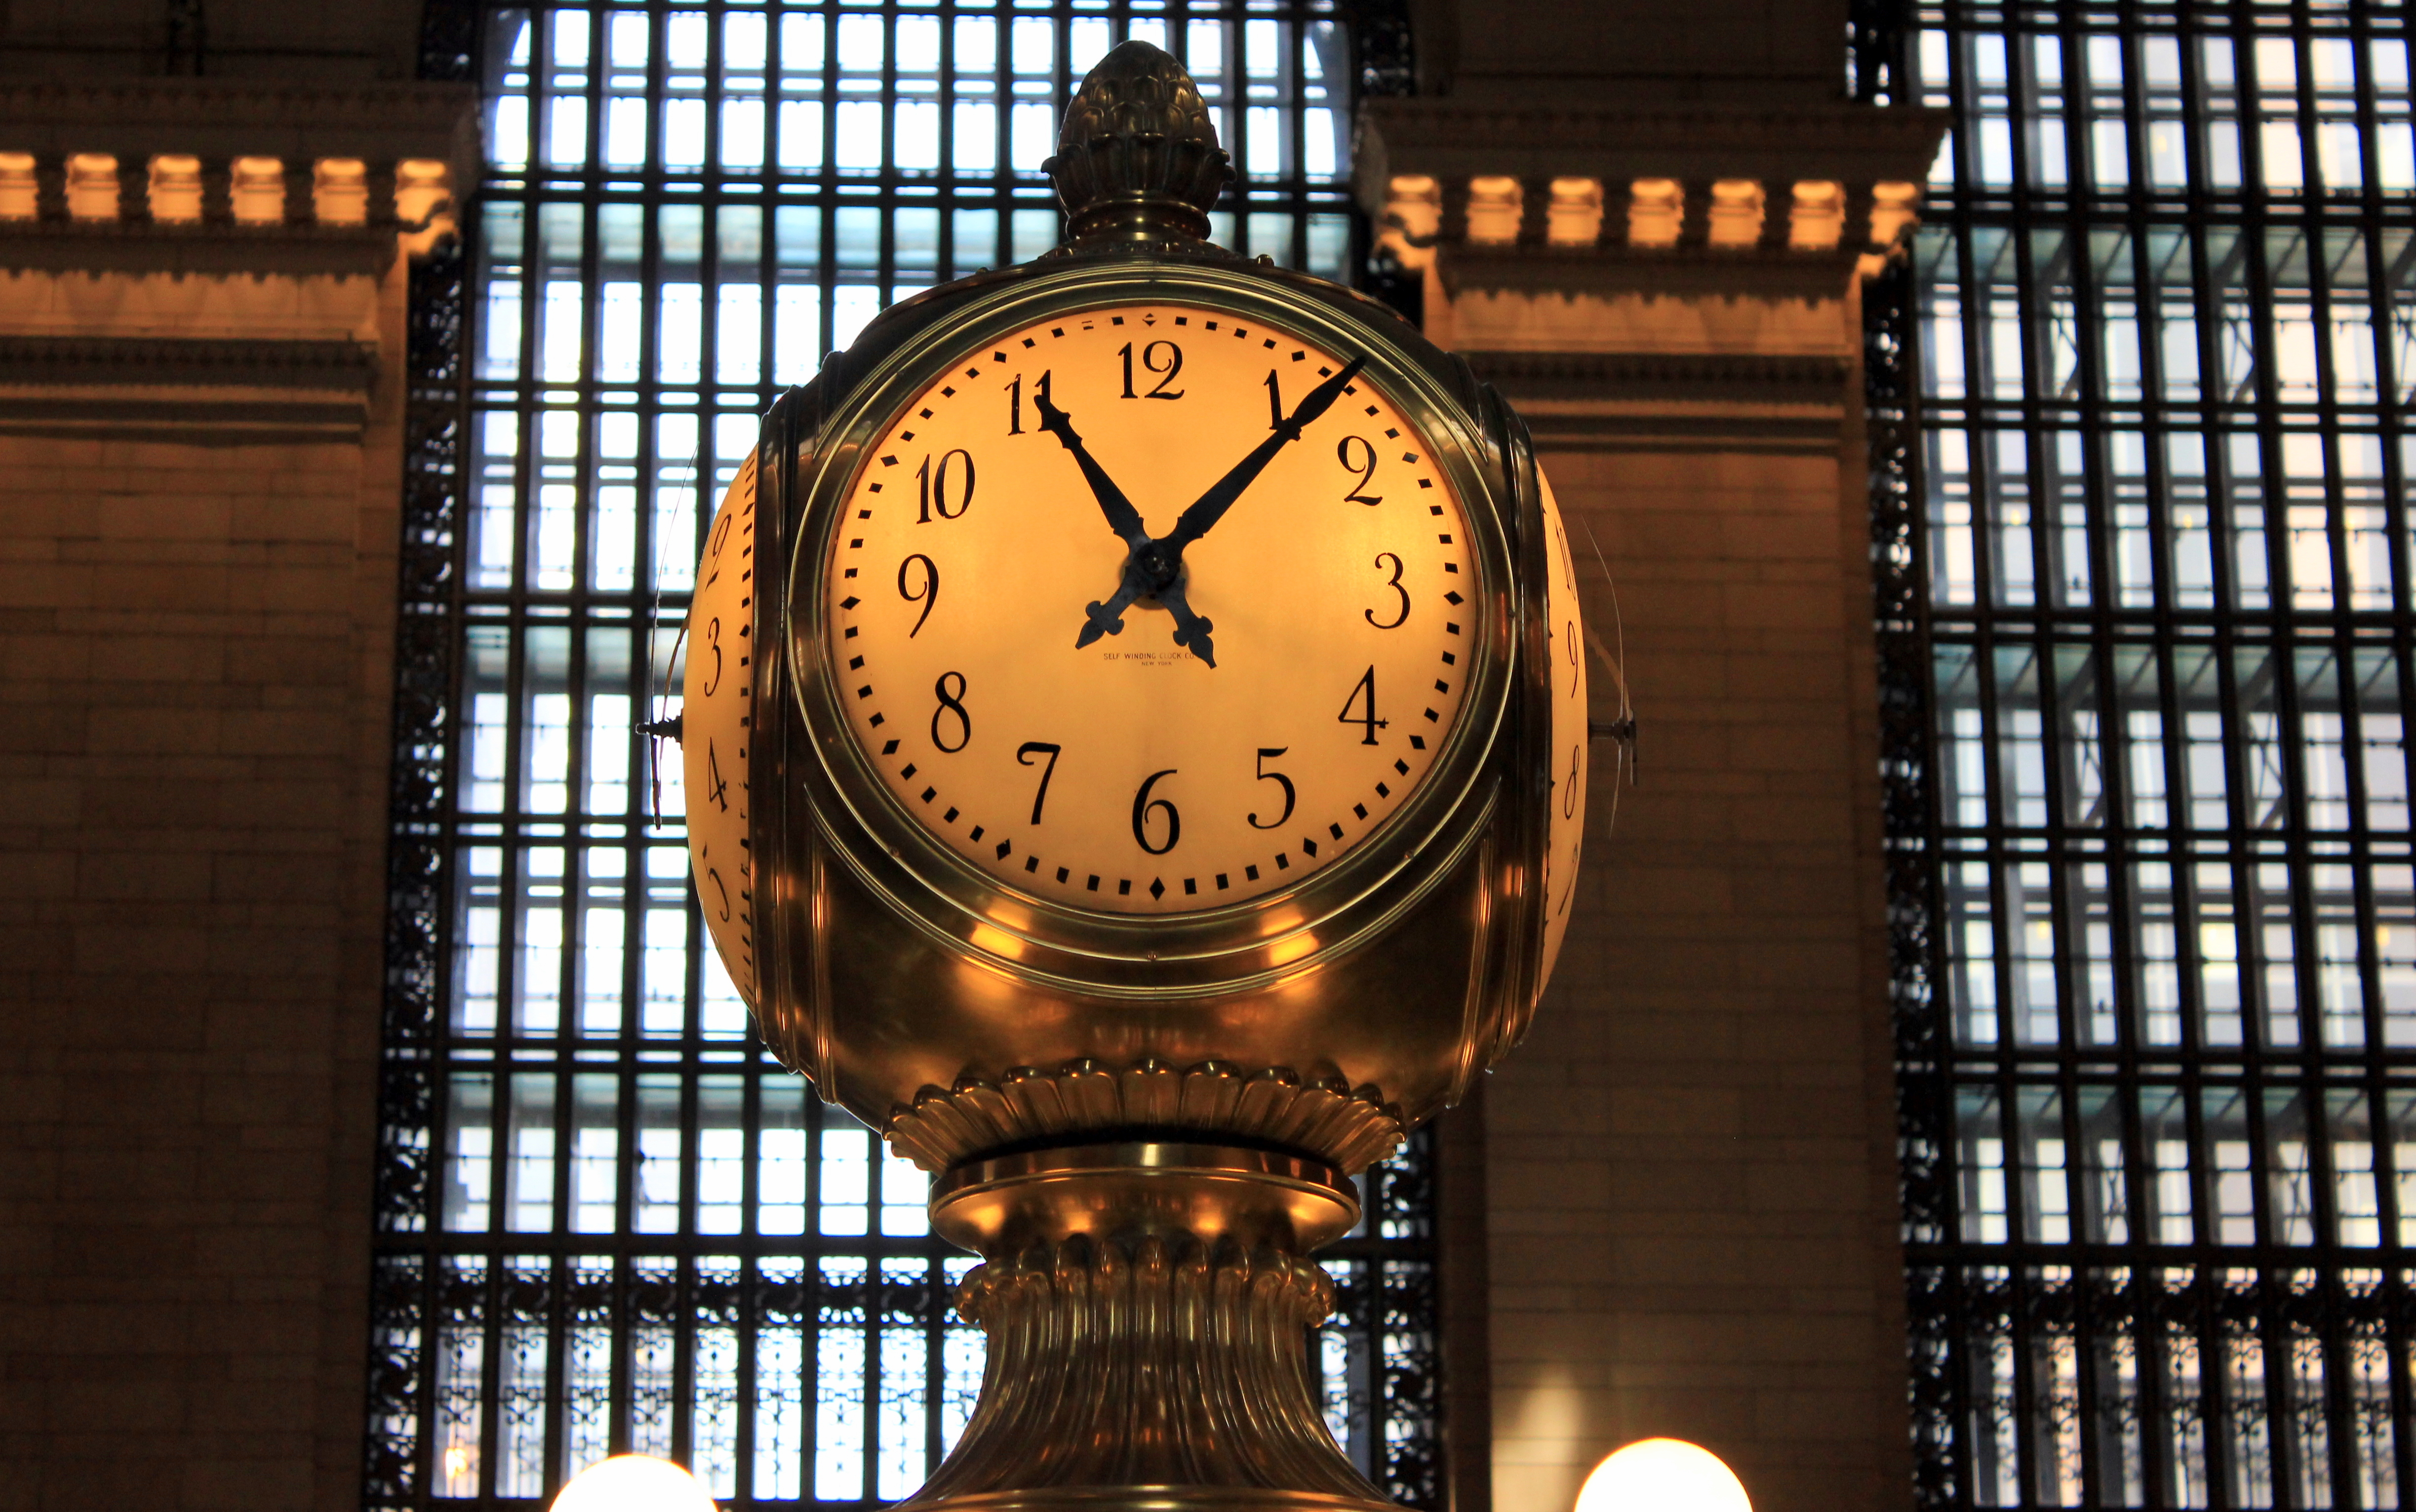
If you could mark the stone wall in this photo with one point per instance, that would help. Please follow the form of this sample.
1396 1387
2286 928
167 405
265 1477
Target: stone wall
1687 1173
195 654
202 340
1690 1176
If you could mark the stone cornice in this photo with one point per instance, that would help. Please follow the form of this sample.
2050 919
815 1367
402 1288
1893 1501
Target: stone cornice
230 420
1777 377
379 123
1769 272
1852 145
154 361
148 246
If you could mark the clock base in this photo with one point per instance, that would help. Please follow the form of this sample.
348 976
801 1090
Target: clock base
1151 1499
1148 1305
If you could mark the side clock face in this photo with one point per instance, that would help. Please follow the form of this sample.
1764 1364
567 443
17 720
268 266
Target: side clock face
1150 609
716 721
1565 639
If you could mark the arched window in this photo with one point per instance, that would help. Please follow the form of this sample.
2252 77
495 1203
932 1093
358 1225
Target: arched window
607 1221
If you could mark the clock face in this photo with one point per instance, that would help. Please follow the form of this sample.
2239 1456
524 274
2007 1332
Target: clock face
1150 609
717 720
1565 638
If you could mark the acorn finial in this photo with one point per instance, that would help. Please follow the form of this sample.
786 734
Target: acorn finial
1137 158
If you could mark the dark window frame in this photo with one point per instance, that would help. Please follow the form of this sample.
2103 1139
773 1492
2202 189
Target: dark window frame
2058 1348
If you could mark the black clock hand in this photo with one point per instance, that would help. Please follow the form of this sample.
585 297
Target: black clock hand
1122 518
1108 619
1190 630
1211 507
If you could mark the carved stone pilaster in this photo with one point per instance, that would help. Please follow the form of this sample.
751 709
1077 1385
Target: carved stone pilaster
1687 274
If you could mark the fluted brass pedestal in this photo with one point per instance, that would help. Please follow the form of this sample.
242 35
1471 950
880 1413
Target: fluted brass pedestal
1148 1308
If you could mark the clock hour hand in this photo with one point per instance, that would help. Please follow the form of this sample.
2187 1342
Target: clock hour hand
1109 618
1190 630
1211 507
1122 517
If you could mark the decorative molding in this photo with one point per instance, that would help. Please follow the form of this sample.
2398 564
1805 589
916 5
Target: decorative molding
220 117
248 421
1765 272
1857 145
1328 1118
1767 378
149 247
1138 151
154 361
1191 1382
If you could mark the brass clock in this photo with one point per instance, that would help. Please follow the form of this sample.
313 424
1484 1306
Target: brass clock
1134 749
1122 625
1112 652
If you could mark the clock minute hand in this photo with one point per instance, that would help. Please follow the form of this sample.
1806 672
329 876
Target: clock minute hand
1196 521
1122 517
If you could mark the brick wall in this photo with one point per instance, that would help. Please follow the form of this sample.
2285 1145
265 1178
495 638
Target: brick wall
195 653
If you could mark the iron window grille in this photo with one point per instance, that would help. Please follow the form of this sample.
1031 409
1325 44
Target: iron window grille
2140 419
605 1222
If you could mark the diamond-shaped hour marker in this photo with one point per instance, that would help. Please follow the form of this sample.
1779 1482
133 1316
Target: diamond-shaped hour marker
1157 888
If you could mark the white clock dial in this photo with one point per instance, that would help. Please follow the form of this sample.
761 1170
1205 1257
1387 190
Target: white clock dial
1085 737
717 725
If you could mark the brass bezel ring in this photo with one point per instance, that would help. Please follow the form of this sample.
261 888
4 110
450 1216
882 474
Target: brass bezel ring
1235 944
1254 1195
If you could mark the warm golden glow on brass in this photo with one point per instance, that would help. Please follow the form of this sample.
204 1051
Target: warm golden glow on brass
1251 1196
1495 205
1145 1304
1130 774
1657 212
1349 1128
716 717
1571 741
1134 752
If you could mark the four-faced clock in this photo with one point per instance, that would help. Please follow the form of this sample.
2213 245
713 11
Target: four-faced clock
1148 608
718 728
1570 738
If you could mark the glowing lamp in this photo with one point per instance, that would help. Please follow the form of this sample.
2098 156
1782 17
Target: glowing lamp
633 1483
1663 1475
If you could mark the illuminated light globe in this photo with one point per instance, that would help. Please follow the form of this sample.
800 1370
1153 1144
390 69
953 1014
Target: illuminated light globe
633 1483
1663 1475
